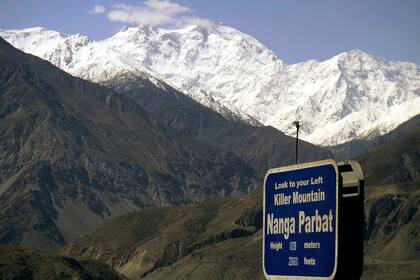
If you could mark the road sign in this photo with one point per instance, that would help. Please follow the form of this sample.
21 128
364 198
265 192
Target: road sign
300 239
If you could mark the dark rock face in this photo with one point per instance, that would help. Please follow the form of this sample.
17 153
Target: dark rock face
397 161
17 263
251 217
393 222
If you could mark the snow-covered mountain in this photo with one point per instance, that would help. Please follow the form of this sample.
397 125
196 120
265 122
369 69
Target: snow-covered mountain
352 95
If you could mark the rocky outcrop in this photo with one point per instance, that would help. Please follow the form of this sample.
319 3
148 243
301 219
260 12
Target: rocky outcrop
19 263
174 234
392 230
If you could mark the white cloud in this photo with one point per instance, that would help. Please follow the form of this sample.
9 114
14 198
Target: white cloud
98 9
154 12
167 6
196 21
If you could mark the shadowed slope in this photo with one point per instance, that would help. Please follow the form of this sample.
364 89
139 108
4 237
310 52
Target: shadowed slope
394 162
74 154
141 243
18 263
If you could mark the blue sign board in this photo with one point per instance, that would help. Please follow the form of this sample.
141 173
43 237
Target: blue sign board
300 221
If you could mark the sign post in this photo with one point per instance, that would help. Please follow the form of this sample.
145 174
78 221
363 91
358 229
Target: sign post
301 237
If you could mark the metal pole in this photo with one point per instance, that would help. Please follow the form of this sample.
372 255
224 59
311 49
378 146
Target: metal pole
296 123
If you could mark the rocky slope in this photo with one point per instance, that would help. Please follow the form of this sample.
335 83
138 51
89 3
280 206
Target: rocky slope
397 161
222 239
74 153
160 240
391 246
393 222
17 263
350 96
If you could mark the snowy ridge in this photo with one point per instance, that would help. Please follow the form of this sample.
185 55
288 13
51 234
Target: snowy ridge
352 95
99 62
75 54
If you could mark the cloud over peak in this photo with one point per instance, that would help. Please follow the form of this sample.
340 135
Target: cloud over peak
154 12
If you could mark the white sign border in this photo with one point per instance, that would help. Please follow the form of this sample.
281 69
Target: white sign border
298 167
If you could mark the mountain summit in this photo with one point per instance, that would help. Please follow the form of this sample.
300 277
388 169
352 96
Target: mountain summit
350 96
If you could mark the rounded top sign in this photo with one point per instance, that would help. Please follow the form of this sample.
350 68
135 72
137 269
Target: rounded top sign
300 238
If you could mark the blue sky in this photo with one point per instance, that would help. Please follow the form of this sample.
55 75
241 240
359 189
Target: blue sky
296 30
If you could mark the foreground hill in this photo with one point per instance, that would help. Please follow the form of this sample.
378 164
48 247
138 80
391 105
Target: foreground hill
197 242
17 263
222 239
